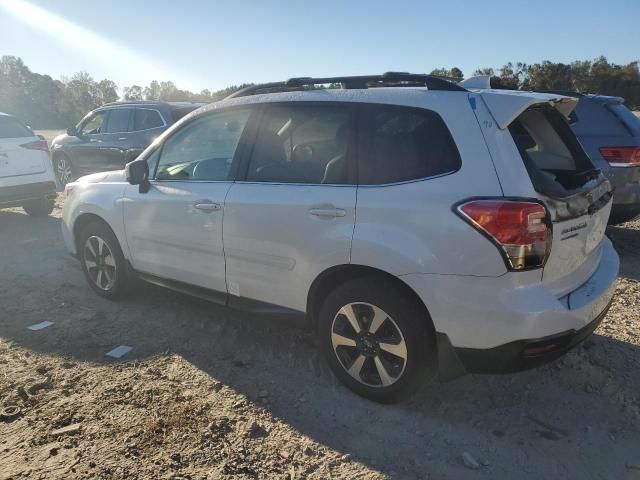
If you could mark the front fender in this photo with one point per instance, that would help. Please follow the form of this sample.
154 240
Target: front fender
103 200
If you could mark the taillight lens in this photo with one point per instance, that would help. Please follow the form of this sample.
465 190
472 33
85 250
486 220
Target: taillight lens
37 145
519 228
621 156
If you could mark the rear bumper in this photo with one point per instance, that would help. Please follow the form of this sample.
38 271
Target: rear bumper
485 324
525 354
16 195
626 196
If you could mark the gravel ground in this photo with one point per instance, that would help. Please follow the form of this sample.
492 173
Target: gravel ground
207 392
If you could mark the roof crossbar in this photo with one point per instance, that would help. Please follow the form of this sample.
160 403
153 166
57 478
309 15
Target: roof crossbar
388 79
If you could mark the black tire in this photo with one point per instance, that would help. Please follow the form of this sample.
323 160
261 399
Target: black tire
407 317
39 208
114 277
63 169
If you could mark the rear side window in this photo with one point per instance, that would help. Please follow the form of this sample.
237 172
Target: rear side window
12 128
304 143
147 119
118 121
400 144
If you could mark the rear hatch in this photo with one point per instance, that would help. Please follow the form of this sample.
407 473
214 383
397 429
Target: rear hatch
577 195
18 155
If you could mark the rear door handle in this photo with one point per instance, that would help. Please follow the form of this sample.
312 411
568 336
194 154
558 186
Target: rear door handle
207 206
123 138
327 212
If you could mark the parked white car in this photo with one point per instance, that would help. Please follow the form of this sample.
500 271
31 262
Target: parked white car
26 175
420 228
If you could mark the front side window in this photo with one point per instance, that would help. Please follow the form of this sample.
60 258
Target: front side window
304 143
203 150
147 119
118 121
400 144
93 125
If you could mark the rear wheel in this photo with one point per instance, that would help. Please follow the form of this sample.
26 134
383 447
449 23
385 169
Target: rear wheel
39 208
375 339
102 260
64 169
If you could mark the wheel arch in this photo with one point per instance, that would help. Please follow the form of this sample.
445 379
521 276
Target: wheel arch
334 276
82 221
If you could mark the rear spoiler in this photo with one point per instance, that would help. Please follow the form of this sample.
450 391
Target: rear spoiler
506 105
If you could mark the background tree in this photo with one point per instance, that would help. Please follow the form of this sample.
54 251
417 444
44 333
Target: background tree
132 93
44 102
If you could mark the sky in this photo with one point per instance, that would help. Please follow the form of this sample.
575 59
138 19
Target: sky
213 44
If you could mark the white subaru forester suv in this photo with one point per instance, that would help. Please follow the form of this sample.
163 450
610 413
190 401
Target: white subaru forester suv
420 228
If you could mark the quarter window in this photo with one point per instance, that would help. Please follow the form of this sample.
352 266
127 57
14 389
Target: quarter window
203 150
302 144
399 144
118 121
147 119
93 125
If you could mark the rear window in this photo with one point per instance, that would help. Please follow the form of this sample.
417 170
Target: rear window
147 119
550 151
12 128
400 144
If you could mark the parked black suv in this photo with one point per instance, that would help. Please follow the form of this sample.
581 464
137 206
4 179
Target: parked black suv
111 136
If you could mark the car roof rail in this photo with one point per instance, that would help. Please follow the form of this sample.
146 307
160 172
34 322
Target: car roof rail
388 79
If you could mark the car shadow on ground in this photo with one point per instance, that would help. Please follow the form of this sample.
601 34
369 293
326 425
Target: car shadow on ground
537 417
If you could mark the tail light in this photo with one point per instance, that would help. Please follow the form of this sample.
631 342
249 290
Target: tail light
37 145
518 228
621 156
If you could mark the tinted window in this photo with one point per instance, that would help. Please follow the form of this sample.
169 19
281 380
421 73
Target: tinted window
11 128
401 144
178 113
118 121
302 144
93 125
147 119
203 149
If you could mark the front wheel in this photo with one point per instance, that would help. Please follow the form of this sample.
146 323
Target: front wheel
102 260
376 340
39 208
63 169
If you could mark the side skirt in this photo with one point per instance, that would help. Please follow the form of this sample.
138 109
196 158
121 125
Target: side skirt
237 303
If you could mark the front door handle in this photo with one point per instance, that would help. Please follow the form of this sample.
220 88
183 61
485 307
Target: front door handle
327 212
207 206
123 138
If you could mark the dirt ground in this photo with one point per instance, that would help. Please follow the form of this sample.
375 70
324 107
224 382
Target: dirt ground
207 392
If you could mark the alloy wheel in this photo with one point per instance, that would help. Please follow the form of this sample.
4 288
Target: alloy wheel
100 263
63 170
368 344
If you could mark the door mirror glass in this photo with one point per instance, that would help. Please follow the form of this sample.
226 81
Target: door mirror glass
72 132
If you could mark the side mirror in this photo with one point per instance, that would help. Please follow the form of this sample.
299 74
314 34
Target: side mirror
137 173
72 132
